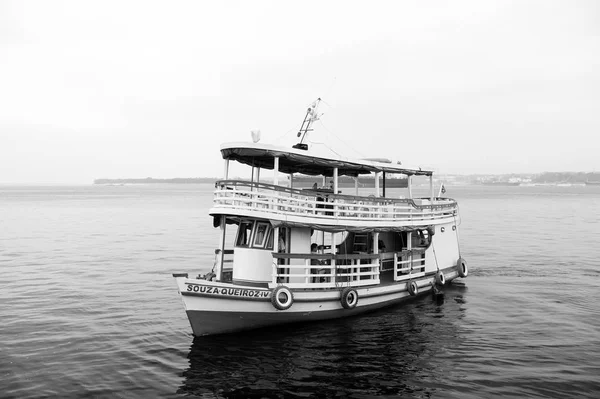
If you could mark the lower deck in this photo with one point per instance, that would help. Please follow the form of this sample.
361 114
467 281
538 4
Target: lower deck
266 255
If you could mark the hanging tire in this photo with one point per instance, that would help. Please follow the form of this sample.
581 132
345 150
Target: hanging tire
412 287
349 298
463 270
440 279
282 298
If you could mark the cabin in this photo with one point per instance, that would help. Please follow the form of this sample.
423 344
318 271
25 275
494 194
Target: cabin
318 236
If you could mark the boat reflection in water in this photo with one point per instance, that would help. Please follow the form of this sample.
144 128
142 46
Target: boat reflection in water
398 351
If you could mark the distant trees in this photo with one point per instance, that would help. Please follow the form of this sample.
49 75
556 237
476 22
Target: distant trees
566 177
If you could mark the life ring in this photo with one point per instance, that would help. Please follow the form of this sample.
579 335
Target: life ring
463 270
349 298
440 279
413 288
282 298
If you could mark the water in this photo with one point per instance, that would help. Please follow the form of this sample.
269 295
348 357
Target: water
89 308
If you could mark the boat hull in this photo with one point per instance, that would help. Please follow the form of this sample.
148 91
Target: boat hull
211 314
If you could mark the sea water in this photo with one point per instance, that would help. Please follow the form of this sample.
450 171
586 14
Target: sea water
88 307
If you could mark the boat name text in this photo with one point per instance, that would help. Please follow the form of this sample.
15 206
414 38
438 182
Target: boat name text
206 289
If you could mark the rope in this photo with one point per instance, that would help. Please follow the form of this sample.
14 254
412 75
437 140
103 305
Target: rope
434 255
278 139
456 224
340 140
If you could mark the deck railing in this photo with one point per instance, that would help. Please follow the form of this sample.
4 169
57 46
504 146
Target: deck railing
325 270
243 195
409 264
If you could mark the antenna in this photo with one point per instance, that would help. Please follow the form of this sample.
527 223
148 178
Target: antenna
309 118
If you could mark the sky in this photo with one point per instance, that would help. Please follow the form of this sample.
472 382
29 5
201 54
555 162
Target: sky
131 89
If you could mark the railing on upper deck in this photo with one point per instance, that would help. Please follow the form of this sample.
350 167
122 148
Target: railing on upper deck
325 270
243 195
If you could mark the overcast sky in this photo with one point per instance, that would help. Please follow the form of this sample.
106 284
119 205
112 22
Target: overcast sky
140 88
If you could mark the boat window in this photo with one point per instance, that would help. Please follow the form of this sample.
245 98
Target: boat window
244 233
270 239
421 238
261 234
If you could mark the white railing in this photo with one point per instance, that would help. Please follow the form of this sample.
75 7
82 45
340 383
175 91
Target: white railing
242 195
325 270
409 264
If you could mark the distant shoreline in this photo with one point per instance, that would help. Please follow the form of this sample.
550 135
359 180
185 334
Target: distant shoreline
150 180
301 181
514 179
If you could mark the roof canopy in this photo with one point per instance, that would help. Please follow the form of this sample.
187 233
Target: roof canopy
293 160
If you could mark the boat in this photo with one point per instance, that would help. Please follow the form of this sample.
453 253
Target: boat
592 183
287 254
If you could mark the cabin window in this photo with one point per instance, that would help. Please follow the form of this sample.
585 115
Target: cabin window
270 240
262 229
244 234
421 238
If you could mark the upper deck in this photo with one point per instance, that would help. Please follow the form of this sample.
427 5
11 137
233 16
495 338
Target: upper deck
326 209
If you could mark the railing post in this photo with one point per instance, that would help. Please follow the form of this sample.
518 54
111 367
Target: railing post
332 269
307 270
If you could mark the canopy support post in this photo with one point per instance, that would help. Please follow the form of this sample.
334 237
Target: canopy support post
431 188
335 180
276 171
226 170
220 257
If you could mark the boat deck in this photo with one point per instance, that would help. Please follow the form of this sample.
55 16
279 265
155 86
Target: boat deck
242 198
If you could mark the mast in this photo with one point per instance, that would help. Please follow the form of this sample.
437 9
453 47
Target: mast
309 118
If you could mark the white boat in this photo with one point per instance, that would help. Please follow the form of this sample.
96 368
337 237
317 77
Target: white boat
368 252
